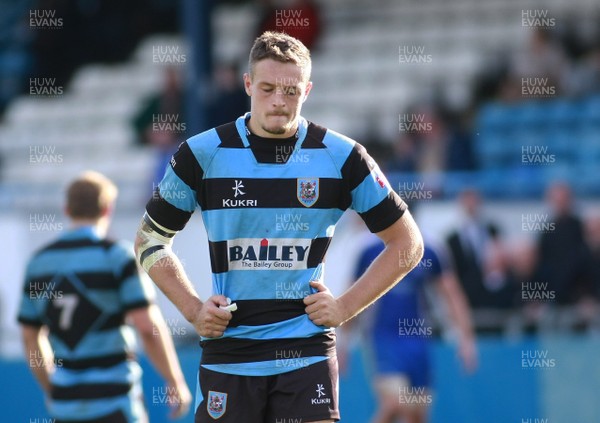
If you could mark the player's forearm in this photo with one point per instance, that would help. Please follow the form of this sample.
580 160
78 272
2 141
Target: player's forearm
39 356
463 320
398 258
153 251
170 277
160 349
458 306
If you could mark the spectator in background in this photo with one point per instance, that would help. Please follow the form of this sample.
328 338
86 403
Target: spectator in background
589 305
592 226
299 18
422 145
543 58
161 122
477 253
563 250
459 154
432 142
404 157
523 259
229 99
584 78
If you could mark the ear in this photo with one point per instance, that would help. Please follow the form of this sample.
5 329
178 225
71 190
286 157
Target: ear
248 84
309 85
107 211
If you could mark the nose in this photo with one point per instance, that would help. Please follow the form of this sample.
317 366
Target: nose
278 98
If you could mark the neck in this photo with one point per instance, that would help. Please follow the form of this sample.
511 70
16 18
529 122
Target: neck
99 225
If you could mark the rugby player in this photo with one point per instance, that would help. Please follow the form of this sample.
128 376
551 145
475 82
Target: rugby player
79 293
268 332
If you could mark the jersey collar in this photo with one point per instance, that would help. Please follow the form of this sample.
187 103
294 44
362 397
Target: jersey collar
84 231
240 124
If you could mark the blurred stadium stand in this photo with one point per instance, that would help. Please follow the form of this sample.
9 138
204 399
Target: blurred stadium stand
87 127
568 129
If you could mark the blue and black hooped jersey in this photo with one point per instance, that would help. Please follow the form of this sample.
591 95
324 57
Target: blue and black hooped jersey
81 287
269 224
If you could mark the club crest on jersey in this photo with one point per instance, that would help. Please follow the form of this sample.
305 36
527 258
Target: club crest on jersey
307 191
217 404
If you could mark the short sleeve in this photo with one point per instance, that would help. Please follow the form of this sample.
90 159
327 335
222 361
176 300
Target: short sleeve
28 313
175 198
372 197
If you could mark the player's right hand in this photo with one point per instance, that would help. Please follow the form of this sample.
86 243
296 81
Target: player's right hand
212 321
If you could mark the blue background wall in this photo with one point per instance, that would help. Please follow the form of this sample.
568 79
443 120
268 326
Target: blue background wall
501 391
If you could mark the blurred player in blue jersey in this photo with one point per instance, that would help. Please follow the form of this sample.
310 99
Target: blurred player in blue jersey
399 338
79 293
271 187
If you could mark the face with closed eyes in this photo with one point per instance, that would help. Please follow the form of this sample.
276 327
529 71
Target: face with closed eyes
277 91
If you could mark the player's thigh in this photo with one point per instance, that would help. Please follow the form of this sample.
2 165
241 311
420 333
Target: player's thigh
230 398
397 395
308 394
391 385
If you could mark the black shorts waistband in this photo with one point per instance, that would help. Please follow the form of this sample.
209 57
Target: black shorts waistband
234 350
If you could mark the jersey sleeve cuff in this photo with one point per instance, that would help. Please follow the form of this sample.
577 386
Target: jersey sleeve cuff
29 322
384 214
167 215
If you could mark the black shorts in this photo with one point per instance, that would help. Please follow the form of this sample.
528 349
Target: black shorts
305 395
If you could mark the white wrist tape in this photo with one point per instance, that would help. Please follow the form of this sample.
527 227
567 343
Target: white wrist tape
156 242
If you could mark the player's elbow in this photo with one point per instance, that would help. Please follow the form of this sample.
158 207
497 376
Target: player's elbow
410 252
138 243
418 248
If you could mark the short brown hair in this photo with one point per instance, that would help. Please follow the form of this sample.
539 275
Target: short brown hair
90 195
281 47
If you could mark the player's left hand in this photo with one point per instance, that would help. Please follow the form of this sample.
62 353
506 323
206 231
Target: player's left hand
322 308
